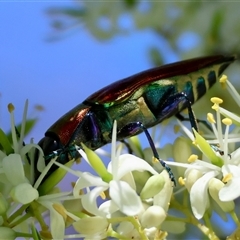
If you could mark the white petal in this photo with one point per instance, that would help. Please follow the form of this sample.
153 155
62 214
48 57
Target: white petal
89 201
230 191
205 166
88 180
128 178
91 226
13 168
129 163
125 198
108 208
235 157
199 195
234 170
57 224
24 193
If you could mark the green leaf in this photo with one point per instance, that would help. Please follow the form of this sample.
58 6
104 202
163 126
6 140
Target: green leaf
5 144
207 150
97 164
53 179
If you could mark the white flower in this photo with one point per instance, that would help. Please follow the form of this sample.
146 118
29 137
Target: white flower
122 192
123 196
217 163
22 191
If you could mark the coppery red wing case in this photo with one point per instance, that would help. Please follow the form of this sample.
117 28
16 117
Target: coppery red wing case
122 89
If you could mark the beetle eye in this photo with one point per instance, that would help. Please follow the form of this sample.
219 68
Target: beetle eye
49 145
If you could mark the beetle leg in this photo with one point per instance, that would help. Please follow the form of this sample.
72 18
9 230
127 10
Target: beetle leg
135 127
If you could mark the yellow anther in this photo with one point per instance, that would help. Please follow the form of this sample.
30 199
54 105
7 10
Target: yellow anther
176 128
155 160
216 100
60 209
192 158
210 118
194 143
103 195
223 78
227 121
10 107
215 107
181 181
223 81
227 178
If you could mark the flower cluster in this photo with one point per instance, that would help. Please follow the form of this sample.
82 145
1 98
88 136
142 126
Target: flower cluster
107 204
128 198
212 180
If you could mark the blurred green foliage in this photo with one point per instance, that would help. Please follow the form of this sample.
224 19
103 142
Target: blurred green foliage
214 23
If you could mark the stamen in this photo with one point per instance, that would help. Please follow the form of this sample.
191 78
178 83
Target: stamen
215 107
103 195
227 178
223 78
210 118
227 121
192 158
223 81
216 100
233 92
181 181
155 160
194 142
11 107
60 209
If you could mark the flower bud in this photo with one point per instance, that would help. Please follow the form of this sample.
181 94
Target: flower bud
163 198
192 176
215 185
181 152
153 186
153 217
7 233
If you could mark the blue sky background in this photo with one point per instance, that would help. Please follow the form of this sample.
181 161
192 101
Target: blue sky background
60 74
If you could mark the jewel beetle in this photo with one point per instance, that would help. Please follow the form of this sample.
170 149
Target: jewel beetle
136 103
